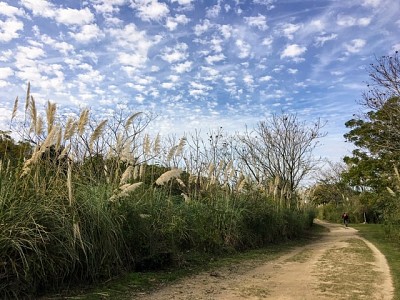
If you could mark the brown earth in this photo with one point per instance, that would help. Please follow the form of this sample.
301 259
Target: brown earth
339 265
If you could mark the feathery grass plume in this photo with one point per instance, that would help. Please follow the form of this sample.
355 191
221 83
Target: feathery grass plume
64 152
130 120
97 132
242 184
83 119
119 144
70 128
69 183
167 176
123 186
228 170
146 144
50 139
157 145
135 174
32 114
126 154
171 152
131 187
186 197
396 171
106 174
15 108
51 115
59 138
142 170
211 169
391 192
180 147
39 126
28 97
125 190
127 175
181 183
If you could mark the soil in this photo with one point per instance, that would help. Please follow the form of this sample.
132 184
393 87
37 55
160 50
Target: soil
339 265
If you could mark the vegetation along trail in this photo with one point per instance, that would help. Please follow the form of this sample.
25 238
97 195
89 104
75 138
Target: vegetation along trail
339 265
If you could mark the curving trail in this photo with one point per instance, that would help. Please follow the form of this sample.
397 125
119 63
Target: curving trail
340 265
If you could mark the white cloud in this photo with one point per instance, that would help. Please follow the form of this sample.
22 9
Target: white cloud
211 59
248 80
260 22
150 10
40 8
244 48
396 47
321 40
355 45
347 21
10 11
211 72
182 67
29 53
267 41
108 6
202 28
293 51
288 29
213 11
63 47
9 29
88 33
69 16
168 85
176 53
265 78
371 3
172 23
268 3
183 2
226 31
135 43
292 71
6 55
6 72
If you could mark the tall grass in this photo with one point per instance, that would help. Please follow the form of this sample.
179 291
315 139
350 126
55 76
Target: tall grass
84 207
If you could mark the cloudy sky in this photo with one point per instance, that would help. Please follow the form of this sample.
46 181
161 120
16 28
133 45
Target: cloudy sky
197 64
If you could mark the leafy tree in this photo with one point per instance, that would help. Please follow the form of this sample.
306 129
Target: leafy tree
376 135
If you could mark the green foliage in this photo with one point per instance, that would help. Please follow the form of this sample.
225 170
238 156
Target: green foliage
12 151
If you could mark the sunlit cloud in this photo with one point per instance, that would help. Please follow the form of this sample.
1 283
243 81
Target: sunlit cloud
293 51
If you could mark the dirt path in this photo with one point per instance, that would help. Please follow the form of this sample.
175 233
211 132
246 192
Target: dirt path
340 265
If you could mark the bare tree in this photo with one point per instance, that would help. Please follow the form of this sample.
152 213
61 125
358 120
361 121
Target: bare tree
385 81
279 150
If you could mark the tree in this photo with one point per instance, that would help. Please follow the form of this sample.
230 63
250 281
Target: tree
376 134
280 149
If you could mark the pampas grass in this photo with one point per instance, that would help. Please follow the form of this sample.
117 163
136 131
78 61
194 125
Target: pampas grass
97 133
130 120
167 176
83 120
50 114
15 109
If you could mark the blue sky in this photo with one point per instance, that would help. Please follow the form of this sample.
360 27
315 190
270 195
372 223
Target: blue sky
197 64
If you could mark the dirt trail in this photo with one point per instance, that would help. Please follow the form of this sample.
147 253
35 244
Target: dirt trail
340 265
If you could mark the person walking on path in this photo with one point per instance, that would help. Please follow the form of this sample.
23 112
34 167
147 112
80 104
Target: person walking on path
345 218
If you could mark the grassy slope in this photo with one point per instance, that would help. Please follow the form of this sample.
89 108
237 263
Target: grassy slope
376 235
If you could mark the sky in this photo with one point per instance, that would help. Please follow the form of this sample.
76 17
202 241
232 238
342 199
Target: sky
197 64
